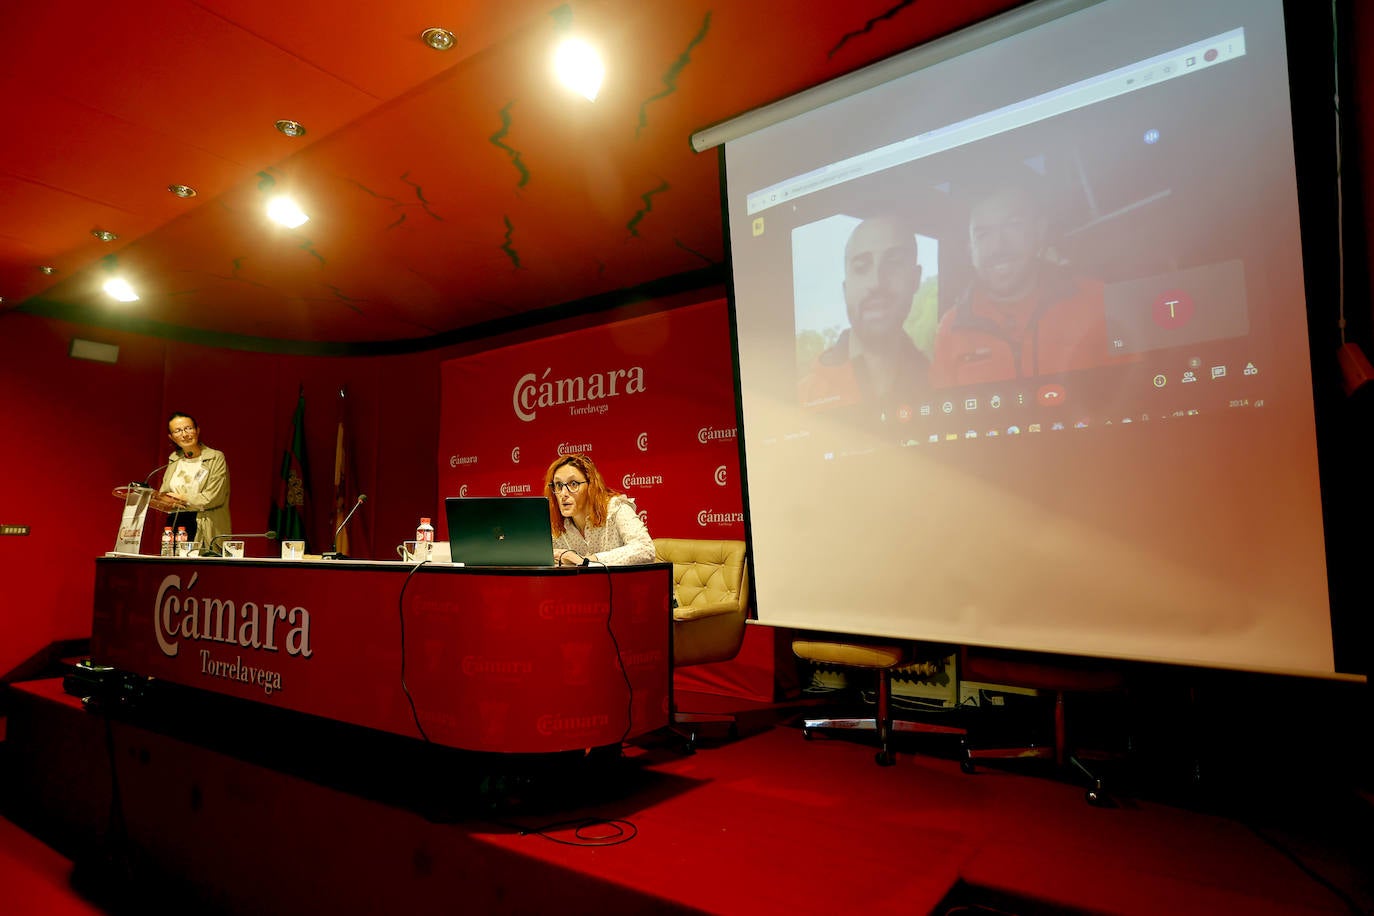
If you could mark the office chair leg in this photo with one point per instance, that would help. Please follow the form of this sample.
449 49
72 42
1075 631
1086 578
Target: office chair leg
1096 793
884 756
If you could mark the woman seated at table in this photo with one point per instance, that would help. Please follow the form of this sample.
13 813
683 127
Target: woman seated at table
592 523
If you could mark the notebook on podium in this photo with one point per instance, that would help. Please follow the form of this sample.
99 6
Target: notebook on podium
499 530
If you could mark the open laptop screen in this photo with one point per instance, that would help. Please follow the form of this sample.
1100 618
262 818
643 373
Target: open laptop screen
499 530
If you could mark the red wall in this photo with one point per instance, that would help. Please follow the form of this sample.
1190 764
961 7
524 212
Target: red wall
73 430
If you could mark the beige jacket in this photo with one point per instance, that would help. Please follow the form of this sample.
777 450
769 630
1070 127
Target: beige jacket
211 505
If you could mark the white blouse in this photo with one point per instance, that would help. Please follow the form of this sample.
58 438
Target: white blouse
622 541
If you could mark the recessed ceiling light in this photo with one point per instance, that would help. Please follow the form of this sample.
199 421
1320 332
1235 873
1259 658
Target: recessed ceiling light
438 39
182 190
284 210
118 288
579 67
104 235
291 128
45 269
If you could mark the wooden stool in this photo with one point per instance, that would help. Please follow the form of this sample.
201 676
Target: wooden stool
873 656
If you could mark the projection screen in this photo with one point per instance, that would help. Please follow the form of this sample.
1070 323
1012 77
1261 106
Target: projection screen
1023 350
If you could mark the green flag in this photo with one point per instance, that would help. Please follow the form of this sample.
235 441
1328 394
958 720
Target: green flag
289 505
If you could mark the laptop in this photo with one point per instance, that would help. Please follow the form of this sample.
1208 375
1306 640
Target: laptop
499 530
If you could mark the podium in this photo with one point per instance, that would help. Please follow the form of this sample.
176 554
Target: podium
137 497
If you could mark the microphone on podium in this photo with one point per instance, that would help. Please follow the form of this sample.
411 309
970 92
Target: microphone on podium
151 473
334 554
214 551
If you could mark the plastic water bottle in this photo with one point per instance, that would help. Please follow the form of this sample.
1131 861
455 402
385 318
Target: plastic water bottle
424 539
167 541
181 540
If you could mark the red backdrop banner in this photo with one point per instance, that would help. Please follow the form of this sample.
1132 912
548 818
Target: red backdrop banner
651 400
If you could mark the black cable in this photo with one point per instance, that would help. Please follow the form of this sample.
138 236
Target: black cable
622 831
615 643
117 833
401 612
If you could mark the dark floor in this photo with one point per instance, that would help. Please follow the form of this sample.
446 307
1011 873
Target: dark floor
753 821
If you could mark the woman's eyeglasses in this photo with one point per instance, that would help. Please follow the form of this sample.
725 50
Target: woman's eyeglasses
572 486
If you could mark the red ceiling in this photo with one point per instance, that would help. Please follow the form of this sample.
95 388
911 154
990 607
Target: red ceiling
446 189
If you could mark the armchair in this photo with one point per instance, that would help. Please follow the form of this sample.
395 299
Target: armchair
711 588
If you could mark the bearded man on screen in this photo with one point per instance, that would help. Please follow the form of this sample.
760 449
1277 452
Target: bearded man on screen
1025 315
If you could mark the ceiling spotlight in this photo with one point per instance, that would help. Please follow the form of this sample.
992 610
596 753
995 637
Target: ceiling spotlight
579 67
438 39
291 128
182 190
104 235
284 210
120 289
45 269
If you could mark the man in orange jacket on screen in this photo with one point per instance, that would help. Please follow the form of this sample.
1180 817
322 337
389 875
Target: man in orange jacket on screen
1024 315
874 362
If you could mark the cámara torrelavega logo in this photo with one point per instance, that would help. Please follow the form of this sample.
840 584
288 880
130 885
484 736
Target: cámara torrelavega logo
554 609
515 489
711 517
180 615
579 393
455 461
573 448
556 724
641 480
713 434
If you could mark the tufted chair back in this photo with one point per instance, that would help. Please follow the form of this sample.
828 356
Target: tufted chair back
711 583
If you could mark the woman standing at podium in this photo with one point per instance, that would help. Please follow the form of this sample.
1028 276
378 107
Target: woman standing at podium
195 486
592 523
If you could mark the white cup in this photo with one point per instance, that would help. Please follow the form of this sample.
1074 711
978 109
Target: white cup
233 549
413 551
293 550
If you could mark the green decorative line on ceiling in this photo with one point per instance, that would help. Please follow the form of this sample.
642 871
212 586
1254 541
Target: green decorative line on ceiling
514 154
309 246
397 203
267 182
420 195
562 17
693 251
345 298
633 224
110 262
232 276
669 79
869 26
507 247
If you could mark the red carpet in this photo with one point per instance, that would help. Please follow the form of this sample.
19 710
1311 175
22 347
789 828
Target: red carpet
769 823
35 880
